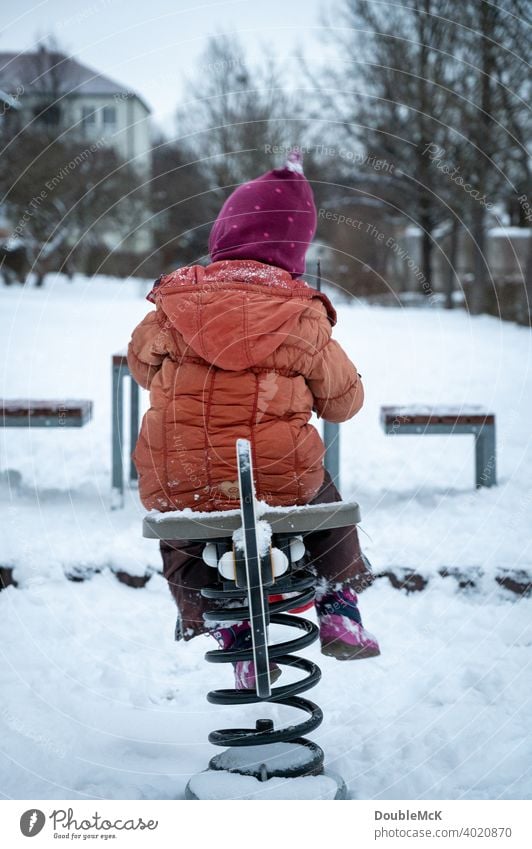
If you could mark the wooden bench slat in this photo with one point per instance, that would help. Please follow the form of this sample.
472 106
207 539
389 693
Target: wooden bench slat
319 517
19 412
415 415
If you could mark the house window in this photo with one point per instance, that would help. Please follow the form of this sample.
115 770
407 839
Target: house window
49 115
88 117
109 116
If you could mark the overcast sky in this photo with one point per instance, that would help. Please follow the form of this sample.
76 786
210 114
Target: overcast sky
148 46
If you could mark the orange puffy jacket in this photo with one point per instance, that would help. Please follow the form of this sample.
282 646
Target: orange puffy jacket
236 349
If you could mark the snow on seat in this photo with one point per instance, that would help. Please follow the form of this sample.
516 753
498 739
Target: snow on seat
191 524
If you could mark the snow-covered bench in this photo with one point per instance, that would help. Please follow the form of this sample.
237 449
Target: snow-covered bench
452 419
30 413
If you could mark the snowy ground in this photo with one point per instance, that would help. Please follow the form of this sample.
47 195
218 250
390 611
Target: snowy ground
99 702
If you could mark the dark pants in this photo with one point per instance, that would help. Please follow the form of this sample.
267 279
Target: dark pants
333 555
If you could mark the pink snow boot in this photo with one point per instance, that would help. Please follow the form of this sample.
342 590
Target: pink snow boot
342 634
236 637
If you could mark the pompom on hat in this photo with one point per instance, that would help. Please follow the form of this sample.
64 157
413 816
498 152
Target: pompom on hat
271 219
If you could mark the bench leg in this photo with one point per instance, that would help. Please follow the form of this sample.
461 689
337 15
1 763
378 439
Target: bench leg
117 427
133 426
331 438
485 457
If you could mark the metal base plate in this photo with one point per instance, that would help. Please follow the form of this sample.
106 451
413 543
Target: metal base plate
295 759
221 784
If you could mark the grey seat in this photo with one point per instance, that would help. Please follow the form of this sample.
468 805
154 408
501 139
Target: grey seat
311 517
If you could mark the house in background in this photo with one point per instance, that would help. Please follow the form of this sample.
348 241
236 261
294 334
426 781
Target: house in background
53 89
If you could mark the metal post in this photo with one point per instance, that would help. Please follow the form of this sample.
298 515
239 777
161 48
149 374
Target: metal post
331 430
117 407
133 424
485 457
331 438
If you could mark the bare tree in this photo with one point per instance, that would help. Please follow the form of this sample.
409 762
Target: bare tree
64 193
234 115
390 89
51 81
442 89
478 41
64 196
182 203
515 85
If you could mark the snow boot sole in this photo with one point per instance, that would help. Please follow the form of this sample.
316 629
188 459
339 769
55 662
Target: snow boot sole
343 651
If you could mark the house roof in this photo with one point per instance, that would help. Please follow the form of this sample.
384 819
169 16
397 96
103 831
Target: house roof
46 71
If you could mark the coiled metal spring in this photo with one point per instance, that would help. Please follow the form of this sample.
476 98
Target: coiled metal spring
300 585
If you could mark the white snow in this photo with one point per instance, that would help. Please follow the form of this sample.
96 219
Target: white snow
99 702
261 507
511 232
243 448
440 410
217 785
187 512
264 537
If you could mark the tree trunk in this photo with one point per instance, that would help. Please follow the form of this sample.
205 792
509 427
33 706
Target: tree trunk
478 300
528 285
425 223
452 271
484 136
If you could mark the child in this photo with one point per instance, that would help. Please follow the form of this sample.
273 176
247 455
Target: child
243 348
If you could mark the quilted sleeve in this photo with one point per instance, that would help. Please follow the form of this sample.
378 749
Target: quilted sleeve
147 349
333 380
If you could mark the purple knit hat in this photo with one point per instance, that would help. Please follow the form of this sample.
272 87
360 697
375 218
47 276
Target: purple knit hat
271 219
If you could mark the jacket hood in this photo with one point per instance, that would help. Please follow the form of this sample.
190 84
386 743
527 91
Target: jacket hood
234 314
